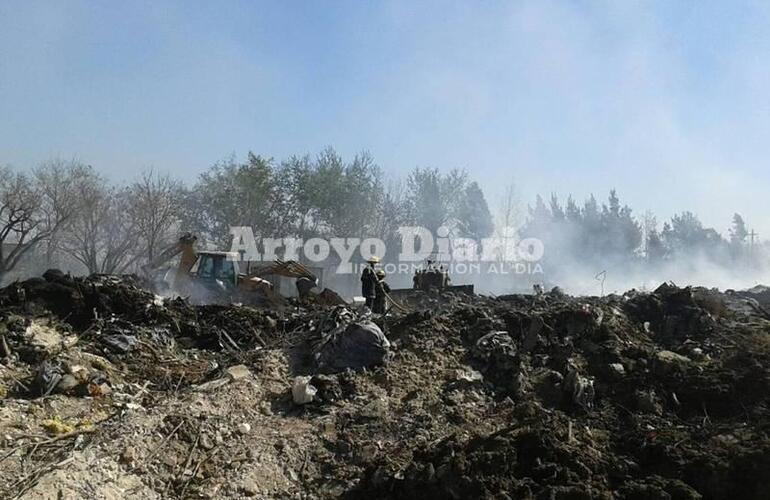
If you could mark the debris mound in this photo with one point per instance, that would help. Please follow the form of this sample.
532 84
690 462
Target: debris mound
110 391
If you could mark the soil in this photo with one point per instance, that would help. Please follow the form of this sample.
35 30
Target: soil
108 391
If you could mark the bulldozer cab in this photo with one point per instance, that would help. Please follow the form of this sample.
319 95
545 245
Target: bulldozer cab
217 267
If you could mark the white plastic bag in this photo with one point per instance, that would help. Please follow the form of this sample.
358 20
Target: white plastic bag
302 391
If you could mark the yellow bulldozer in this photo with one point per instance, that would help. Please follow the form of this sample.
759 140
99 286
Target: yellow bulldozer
207 276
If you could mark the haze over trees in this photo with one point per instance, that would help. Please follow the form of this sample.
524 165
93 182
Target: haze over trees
595 236
67 212
35 208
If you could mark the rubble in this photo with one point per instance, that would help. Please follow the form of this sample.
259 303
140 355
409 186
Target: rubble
667 362
238 372
109 392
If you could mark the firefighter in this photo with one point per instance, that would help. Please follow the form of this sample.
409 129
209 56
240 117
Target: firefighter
381 290
369 281
304 286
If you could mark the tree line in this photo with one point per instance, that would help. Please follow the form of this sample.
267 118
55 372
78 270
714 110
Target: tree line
597 234
66 210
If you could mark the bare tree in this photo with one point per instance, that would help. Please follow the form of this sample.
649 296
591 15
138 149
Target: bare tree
154 209
101 236
33 208
392 212
649 225
508 210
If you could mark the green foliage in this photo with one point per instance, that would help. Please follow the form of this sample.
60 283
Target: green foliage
588 233
611 234
473 215
686 235
738 231
300 197
234 194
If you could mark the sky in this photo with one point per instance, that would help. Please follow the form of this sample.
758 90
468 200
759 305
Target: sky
667 102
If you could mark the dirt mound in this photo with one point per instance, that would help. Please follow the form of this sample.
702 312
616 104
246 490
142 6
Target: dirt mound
111 391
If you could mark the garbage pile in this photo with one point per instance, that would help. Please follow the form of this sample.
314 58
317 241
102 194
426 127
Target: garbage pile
109 391
347 341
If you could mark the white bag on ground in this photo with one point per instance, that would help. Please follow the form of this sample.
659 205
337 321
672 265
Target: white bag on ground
302 391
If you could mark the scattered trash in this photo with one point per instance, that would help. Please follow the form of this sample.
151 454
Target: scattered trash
469 376
351 342
43 337
618 369
658 394
238 372
119 343
580 389
499 351
302 391
47 377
